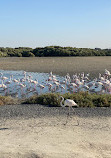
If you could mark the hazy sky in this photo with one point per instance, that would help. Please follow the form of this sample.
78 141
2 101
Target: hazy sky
36 23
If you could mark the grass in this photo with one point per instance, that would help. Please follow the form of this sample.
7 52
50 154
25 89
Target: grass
59 65
83 99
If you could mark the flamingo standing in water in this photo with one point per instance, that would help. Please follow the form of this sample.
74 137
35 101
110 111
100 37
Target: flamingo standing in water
49 86
62 87
64 82
41 87
3 86
22 86
107 73
74 86
35 82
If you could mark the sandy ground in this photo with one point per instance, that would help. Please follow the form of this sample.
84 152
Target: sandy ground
32 131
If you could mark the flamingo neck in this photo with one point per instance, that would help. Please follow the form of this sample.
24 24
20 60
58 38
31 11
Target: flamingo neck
61 102
2 82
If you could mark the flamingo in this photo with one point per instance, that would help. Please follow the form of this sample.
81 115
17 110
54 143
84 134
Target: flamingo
15 81
50 74
107 73
25 76
74 86
64 82
35 83
85 87
8 83
22 86
70 103
3 86
67 77
62 87
41 87
4 78
49 86
49 79
56 83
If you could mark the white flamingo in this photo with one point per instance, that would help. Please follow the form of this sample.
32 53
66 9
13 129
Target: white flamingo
49 86
22 86
35 82
62 87
107 72
70 103
41 87
64 82
3 86
74 86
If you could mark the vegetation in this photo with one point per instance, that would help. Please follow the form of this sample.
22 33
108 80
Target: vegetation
7 100
52 51
83 99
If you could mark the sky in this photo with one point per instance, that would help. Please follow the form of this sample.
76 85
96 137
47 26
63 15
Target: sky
40 23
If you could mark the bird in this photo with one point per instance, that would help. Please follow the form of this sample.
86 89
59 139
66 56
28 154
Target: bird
41 87
62 87
50 74
74 86
3 86
22 86
107 72
70 103
49 86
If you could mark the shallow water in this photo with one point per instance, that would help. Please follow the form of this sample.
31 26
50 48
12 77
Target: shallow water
15 90
21 84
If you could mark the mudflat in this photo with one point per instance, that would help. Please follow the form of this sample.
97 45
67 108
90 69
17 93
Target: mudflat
59 65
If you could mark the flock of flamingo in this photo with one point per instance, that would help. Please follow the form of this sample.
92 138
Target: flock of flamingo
27 85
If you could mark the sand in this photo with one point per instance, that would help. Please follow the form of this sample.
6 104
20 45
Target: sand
32 131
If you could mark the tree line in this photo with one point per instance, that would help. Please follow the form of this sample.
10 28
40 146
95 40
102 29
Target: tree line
52 51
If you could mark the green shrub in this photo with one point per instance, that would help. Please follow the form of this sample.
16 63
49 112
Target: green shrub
83 99
53 51
50 99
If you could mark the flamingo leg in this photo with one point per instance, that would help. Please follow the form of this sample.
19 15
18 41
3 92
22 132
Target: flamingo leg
76 116
40 90
67 116
65 88
5 92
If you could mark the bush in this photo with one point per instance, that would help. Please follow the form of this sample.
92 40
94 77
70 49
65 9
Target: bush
7 100
27 54
53 51
50 99
83 99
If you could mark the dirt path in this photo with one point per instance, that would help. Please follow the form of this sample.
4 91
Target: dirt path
28 131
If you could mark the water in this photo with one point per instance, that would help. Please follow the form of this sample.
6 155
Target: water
29 83
15 90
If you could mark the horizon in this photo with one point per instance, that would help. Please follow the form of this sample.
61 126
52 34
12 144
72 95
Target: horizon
54 46
80 24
